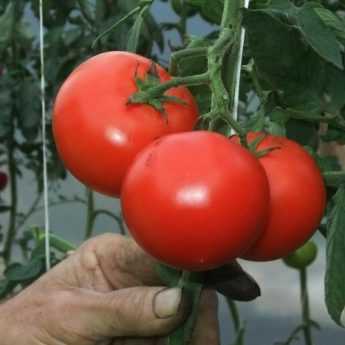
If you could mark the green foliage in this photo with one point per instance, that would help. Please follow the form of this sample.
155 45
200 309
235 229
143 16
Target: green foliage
334 282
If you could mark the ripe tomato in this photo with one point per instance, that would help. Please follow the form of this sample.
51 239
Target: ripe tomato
3 180
98 133
302 257
298 198
195 200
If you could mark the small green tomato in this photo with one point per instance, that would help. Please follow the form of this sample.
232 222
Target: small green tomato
302 257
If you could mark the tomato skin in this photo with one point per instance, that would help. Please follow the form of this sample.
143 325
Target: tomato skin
3 180
195 200
98 133
297 194
302 257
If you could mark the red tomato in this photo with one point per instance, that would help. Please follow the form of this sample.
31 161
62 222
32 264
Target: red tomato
3 180
298 198
98 133
195 200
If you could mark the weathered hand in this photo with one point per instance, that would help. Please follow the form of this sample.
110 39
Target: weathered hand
107 292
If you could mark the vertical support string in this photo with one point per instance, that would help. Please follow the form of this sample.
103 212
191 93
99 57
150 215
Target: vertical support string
44 143
239 67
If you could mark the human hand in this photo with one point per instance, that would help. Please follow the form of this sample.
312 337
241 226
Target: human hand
107 292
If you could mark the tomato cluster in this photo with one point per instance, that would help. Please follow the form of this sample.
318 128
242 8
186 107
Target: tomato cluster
192 199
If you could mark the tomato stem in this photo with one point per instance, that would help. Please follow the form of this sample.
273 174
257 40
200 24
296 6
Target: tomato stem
157 91
305 307
191 285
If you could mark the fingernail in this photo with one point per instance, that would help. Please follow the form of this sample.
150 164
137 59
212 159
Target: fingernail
167 302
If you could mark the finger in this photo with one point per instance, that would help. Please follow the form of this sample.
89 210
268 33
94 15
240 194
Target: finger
232 281
141 341
135 341
122 261
134 312
206 331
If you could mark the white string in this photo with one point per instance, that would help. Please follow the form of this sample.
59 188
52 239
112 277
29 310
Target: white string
239 68
44 145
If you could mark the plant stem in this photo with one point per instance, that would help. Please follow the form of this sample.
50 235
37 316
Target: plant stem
234 314
118 219
12 230
90 218
183 334
305 307
145 96
230 13
220 97
30 212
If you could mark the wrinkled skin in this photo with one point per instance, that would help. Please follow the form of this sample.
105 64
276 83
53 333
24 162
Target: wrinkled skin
104 293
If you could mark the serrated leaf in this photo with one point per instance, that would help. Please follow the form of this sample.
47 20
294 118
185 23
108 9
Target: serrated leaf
318 35
335 250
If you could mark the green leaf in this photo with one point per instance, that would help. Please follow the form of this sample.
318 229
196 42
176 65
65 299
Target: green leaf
22 273
303 132
212 11
7 26
134 34
334 89
6 287
332 21
327 163
335 250
318 35
282 59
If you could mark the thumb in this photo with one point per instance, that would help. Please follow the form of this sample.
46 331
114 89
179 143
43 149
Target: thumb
136 312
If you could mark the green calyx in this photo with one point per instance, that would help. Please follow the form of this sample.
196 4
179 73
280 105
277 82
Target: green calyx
146 95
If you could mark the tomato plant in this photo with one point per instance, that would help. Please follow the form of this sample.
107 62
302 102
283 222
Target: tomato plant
302 257
93 118
297 197
195 200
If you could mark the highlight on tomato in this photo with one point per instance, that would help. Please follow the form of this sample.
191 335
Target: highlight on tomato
195 200
98 133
